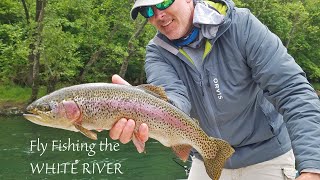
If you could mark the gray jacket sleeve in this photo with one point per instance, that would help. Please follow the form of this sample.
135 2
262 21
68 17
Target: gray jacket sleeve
284 84
160 73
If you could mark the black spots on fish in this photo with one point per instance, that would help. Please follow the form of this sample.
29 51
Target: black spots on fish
174 115
208 146
213 150
113 100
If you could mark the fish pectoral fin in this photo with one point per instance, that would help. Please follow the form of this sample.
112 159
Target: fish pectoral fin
182 151
138 143
154 90
86 132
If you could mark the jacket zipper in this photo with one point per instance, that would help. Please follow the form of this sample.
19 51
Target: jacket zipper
201 85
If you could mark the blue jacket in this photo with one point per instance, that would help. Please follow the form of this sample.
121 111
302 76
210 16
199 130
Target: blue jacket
249 92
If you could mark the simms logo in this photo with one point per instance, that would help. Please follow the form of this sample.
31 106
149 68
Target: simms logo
217 88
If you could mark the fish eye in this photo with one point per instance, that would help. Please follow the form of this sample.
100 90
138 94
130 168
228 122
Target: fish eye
44 107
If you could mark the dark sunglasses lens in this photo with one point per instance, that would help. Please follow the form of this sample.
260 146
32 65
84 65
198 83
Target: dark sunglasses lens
165 4
146 12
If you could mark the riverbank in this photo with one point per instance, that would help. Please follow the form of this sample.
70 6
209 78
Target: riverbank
14 99
12 108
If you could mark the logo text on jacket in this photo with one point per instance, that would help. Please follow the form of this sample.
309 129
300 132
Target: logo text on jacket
217 88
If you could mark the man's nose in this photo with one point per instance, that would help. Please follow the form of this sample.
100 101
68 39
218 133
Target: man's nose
159 14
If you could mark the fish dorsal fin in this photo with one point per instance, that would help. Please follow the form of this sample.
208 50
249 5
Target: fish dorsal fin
182 151
86 132
154 90
196 121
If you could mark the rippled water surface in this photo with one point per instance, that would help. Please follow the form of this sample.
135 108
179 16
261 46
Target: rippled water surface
30 151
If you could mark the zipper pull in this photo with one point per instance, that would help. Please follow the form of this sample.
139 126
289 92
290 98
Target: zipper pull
201 85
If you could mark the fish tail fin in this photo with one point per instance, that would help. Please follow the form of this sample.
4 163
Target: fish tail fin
215 160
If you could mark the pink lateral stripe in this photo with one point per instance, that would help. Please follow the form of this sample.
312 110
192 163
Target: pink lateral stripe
148 110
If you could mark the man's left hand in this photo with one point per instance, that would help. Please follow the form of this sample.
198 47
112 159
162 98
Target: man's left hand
309 176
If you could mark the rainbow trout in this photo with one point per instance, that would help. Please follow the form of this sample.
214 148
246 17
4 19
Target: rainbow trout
97 106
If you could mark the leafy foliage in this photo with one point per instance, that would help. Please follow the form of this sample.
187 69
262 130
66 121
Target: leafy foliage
86 41
297 24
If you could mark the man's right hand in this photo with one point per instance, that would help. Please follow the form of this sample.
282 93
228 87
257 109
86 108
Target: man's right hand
124 128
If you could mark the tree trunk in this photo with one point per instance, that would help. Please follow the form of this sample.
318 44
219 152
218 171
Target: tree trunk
31 57
26 11
35 78
34 56
126 59
28 79
140 79
94 57
52 82
290 36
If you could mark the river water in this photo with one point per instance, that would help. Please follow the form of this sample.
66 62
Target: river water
30 151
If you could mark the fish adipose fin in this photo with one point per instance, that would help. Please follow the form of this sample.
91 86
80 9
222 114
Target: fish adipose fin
86 132
182 151
154 90
215 165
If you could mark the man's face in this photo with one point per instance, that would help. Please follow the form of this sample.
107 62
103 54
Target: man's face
175 21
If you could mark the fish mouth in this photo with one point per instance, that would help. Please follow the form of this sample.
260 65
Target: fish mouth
37 119
33 117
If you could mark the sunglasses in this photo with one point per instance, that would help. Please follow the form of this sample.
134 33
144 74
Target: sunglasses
147 11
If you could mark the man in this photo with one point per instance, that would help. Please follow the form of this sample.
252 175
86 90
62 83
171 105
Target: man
222 66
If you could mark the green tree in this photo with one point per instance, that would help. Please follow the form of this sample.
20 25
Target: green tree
13 43
87 41
297 25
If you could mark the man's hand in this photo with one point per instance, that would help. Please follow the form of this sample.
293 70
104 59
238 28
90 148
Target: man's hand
124 128
116 79
309 176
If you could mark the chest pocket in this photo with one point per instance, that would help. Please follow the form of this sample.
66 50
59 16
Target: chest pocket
231 87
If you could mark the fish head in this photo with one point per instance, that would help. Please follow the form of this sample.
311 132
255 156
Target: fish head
54 113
